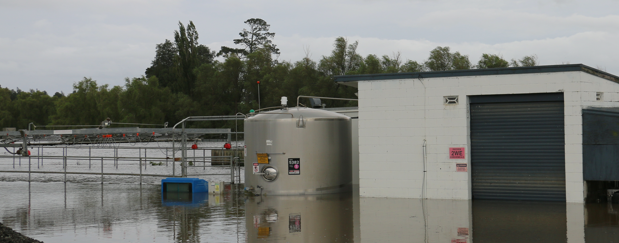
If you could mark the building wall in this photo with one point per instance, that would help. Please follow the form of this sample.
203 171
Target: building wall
396 116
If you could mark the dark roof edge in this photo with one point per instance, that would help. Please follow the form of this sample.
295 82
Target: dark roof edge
480 72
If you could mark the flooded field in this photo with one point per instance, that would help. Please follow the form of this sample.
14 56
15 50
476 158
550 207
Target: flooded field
122 210
91 212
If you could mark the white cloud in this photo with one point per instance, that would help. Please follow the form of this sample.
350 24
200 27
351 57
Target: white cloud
590 48
49 45
43 23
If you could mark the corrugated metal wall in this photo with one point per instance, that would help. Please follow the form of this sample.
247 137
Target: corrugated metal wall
600 133
518 147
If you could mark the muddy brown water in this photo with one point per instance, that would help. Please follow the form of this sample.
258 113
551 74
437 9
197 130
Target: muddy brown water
91 212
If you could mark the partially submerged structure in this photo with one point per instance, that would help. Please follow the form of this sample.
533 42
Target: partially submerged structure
526 133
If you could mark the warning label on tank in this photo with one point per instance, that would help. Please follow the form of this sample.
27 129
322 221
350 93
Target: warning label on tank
294 166
294 223
256 168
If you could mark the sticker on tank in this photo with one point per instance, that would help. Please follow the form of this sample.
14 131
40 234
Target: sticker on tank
294 166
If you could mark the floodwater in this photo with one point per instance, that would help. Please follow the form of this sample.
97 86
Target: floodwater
91 212
135 158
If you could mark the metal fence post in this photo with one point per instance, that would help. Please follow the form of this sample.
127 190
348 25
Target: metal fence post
89 157
145 158
204 159
231 170
64 165
29 168
173 156
13 157
140 169
101 170
184 153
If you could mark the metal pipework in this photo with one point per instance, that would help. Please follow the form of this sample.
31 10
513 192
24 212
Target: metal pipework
24 148
282 113
266 108
208 118
328 98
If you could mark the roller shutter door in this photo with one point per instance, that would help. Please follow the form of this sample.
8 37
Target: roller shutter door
518 147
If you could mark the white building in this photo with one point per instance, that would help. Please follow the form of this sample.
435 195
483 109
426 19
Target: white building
506 133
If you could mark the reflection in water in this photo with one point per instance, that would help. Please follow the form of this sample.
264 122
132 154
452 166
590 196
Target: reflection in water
55 212
325 218
519 221
602 220
414 220
58 212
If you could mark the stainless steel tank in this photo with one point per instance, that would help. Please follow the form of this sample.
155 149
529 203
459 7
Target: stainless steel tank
298 151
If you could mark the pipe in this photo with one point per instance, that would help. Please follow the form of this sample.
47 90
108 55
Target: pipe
328 98
423 187
266 108
281 113
206 118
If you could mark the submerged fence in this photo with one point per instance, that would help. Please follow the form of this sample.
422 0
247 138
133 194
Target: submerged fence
111 138
117 162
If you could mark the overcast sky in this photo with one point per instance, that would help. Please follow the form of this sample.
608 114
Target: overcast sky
49 45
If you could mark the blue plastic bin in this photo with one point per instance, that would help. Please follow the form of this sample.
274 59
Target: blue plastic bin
189 185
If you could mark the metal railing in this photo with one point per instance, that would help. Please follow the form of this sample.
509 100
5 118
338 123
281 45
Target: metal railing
111 136
199 159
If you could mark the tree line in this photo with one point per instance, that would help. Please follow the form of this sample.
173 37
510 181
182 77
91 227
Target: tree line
185 79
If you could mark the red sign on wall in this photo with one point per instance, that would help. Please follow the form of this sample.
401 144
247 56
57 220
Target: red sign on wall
461 167
456 153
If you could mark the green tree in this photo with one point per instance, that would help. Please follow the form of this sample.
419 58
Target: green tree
371 65
441 59
412 67
6 118
491 61
190 56
301 79
461 62
391 64
144 101
526 61
221 88
108 102
252 39
184 106
164 66
34 106
14 93
343 59
79 107
258 66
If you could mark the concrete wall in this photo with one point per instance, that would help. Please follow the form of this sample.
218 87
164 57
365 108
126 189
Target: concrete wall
396 116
